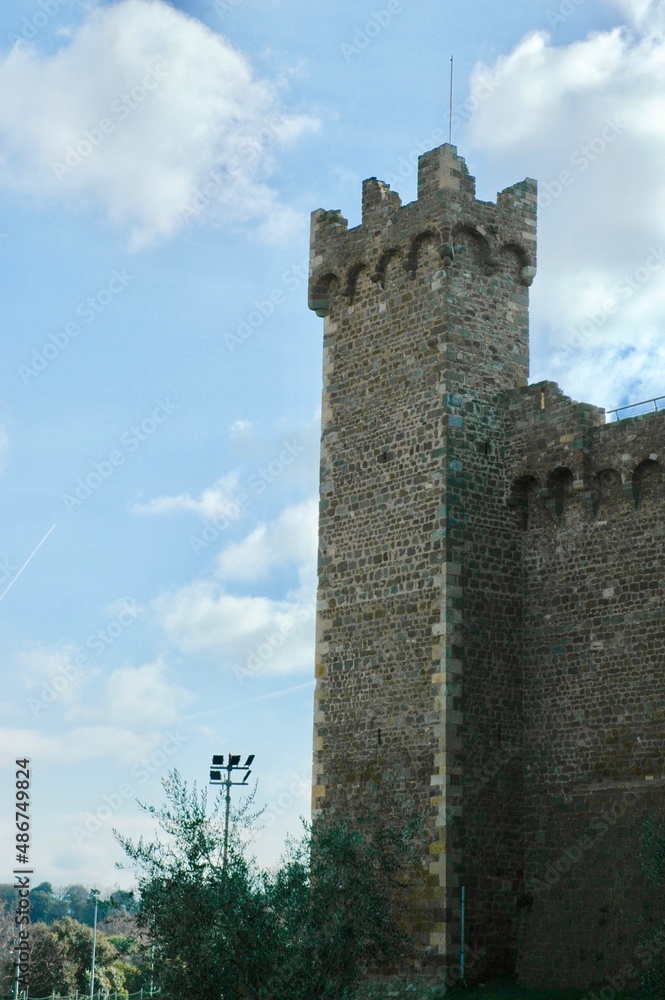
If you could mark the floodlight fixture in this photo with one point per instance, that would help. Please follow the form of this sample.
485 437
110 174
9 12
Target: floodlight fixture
217 769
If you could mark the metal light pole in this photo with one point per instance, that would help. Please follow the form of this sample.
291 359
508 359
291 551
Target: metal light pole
227 813
17 963
95 893
232 765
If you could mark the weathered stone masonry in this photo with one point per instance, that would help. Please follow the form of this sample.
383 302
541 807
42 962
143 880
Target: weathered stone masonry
490 632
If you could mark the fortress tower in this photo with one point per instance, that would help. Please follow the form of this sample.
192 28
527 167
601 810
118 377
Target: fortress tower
491 624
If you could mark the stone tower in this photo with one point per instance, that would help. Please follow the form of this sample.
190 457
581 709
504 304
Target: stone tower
472 531
426 310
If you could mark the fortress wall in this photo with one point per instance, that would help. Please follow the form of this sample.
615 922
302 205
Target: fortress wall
486 635
418 694
594 680
490 640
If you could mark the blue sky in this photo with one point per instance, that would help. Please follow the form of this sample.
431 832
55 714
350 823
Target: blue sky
160 385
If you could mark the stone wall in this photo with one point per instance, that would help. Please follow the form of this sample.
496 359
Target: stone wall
490 641
594 679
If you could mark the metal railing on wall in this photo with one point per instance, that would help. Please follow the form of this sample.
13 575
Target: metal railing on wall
657 403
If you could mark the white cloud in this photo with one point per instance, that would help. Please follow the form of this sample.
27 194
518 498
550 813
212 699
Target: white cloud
58 674
143 696
219 500
150 115
80 744
39 662
252 634
248 559
641 12
239 429
200 617
291 538
587 120
86 851
246 634
57 678
287 456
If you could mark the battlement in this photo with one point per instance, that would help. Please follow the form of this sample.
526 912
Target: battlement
565 466
445 213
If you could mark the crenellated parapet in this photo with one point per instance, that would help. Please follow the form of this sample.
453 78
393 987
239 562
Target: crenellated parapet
566 465
446 213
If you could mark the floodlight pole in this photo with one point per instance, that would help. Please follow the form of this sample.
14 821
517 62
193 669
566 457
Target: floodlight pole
94 943
232 764
17 962
226 816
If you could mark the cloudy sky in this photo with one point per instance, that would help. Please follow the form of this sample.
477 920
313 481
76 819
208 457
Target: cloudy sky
160 378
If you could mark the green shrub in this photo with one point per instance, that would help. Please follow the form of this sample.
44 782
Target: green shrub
652 857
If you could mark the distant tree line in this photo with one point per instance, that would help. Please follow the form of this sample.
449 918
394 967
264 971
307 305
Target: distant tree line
75 901
61 943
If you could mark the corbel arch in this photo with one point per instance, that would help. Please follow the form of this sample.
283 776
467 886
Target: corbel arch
321 289
558 492
521 497
352 277
523 265
427 236
471 242
647 482
387 257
